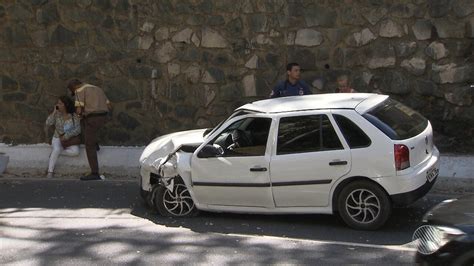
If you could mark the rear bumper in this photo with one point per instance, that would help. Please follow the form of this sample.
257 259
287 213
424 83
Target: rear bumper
404 199
407 188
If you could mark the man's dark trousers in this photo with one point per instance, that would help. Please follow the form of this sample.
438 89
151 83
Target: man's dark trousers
92 124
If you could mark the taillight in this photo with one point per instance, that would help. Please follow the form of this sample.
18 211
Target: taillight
402 157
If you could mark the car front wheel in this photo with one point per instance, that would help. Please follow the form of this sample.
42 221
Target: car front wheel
176 203
364 205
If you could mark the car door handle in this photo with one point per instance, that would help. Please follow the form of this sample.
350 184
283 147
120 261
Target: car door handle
338 163
258 169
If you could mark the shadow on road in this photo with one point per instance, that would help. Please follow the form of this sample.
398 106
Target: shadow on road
58 194
397 231
122 244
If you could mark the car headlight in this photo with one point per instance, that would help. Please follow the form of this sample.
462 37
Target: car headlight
430 238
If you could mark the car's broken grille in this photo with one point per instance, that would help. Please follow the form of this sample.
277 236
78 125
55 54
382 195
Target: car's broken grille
154 178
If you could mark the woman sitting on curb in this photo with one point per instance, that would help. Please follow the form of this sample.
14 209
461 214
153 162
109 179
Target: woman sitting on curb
67 129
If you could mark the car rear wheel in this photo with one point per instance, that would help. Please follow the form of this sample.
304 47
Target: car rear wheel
176 203
364 205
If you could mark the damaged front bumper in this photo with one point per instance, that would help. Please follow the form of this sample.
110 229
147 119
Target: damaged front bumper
162 171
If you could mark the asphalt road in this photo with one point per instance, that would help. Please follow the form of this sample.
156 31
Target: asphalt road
69 222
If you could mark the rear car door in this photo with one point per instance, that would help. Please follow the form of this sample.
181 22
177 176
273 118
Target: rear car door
307 158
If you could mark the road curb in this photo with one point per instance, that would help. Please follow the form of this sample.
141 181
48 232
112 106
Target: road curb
33 160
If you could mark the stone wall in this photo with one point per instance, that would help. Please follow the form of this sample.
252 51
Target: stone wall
169 65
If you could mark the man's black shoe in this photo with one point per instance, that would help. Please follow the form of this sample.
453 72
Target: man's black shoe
91 177
97 147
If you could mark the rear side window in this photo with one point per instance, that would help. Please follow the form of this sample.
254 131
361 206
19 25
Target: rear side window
396 120
355 137
310 133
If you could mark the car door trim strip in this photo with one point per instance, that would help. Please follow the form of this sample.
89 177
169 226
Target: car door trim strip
275 184
215 184
302 183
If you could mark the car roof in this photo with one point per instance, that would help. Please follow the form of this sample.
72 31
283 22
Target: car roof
317 101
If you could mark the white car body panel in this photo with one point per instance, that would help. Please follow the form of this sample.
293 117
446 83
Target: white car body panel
159 148
261 210
421 148
369 103
227 184
311 170
411 181
162 146
243 188
228 181
381 161
310 102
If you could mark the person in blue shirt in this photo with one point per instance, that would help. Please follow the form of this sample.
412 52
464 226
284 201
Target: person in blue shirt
293 86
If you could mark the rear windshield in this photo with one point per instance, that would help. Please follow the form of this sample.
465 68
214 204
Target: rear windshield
396 120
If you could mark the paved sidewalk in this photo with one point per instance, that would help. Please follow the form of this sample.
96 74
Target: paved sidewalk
456 171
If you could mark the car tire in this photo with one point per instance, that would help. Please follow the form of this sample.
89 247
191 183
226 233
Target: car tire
363 205
176 203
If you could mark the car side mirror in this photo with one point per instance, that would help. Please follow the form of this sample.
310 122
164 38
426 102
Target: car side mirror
210 151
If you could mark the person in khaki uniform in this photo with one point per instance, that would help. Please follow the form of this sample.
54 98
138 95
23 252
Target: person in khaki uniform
92 105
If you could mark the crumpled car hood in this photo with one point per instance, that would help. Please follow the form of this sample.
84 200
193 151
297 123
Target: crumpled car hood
166 144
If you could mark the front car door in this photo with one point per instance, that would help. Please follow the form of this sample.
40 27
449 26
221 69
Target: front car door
308 157
240 176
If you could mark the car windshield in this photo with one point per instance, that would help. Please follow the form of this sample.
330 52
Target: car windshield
235 114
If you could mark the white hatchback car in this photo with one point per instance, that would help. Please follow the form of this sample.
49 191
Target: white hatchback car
353 154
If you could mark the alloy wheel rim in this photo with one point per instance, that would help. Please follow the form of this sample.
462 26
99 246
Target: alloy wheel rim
178 202
363 206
